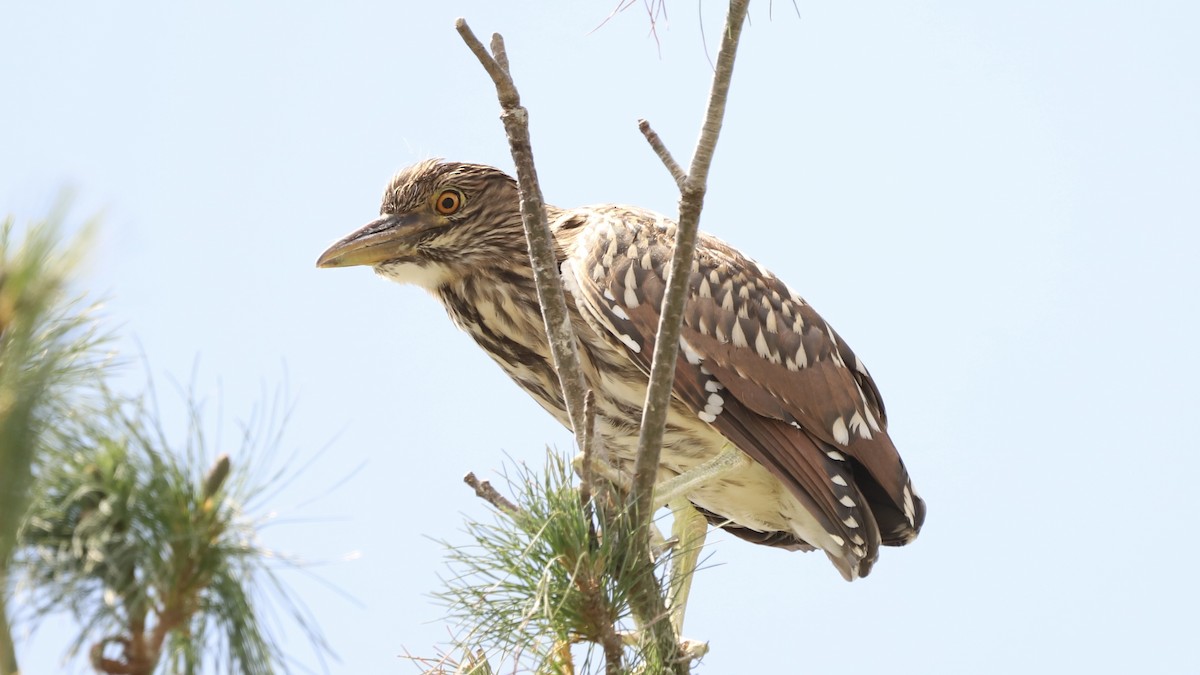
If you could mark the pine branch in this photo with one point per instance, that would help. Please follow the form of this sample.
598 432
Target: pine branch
48 356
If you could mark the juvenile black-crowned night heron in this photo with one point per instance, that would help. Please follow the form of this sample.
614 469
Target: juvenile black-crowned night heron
758 369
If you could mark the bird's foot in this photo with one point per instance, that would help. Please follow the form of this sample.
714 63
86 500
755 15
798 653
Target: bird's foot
603 469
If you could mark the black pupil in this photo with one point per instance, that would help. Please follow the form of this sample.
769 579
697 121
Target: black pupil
448 202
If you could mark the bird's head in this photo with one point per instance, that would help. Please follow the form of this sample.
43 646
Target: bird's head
439 222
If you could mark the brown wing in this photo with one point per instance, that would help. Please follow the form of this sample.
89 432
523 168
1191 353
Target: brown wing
763 368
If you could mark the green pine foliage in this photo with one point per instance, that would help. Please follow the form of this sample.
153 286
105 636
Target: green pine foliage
49 354
153 556
150 544
540 589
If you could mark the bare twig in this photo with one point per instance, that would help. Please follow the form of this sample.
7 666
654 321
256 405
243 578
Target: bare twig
663 153
501 56
563 346
485 491
666 342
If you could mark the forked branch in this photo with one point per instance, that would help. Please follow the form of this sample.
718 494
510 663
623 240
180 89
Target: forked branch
647 601
666 341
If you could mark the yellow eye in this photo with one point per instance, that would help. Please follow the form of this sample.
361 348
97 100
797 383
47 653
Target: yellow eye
448 202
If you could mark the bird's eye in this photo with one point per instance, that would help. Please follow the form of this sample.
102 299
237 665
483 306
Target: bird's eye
448 202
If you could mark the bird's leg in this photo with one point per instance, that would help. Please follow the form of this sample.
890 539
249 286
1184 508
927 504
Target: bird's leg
673 488
689 530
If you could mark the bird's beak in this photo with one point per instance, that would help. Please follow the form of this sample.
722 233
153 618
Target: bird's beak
388 238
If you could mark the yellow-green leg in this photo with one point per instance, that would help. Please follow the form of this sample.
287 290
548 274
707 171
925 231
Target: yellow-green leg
688 532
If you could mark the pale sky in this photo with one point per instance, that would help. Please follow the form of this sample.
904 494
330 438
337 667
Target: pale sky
994 203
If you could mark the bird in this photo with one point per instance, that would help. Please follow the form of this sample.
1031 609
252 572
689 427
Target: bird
759 374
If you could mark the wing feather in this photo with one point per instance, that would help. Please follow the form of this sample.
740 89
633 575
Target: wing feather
795 398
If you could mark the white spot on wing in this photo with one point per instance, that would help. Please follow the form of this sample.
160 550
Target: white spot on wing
619 313
714 405
706 417
834 454
850 522
739 337
836 357
837 540
727 301
629 342
858 425
760 346
871 418
847 501
838 480
840 433
689 352
631 299
910 510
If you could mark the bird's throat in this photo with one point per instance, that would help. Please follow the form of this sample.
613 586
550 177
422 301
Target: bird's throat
427 274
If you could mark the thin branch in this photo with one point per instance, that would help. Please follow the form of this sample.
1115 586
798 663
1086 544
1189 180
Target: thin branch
485 491
586 474
663 153
662 370
650 608
563 346
666 342
502 59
